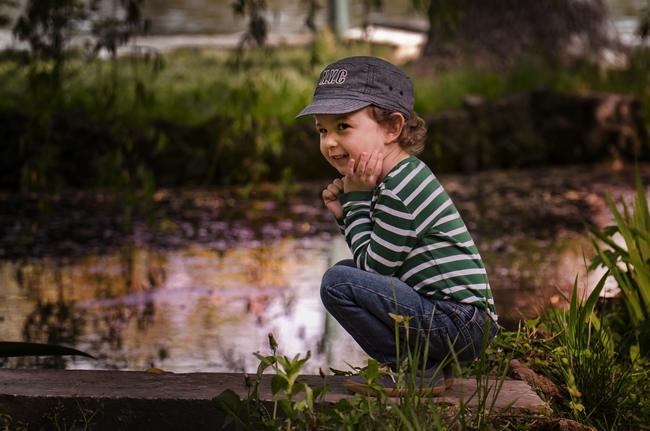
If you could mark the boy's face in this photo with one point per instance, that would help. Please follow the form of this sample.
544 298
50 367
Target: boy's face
346 136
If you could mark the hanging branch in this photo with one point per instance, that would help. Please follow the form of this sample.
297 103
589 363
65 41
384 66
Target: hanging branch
313 8
257 26
5 20
112 32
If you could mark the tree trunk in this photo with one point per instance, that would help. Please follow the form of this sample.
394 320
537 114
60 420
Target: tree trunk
500 33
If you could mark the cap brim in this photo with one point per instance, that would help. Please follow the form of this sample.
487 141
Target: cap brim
332 106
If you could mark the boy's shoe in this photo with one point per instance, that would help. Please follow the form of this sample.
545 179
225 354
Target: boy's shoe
432 382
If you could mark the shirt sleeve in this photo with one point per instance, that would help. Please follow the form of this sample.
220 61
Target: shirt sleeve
380 240
340 222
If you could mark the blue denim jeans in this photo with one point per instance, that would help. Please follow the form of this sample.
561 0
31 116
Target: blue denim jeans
360 301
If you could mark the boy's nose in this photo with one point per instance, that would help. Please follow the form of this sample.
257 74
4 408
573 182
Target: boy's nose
329 141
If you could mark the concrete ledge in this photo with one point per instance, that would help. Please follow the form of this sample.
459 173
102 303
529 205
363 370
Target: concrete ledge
131 400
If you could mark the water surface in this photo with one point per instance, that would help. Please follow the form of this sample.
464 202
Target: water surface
200 289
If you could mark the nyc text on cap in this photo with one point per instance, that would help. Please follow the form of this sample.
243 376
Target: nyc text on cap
356 82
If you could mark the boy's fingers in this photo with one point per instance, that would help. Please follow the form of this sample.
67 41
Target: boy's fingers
334 190
350 171
372 164
378 164
361 168
328 195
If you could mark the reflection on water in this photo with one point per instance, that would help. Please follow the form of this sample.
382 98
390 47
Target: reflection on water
185 311
204 295
201 310
531 275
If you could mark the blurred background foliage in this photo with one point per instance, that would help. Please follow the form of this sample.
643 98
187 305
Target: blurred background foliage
83 116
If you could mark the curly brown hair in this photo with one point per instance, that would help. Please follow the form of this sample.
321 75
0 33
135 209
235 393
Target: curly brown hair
413 133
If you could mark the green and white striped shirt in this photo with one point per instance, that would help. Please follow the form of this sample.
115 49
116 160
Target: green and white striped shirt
408 227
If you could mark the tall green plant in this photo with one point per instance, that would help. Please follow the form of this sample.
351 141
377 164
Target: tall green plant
47 26
287 412
252 116
587 366
629 264
116 24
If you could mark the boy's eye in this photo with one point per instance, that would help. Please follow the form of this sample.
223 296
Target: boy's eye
343 126
321 131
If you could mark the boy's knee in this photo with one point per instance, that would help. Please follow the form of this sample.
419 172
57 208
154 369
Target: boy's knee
327 295
334 280
331 277
336 275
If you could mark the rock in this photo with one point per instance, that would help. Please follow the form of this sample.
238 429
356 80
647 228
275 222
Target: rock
588 127
540 384
136 400
506 128
562 425
536 128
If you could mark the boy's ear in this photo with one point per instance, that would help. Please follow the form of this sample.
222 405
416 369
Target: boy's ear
395 126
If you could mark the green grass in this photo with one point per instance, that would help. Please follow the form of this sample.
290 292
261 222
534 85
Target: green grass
296 405
192 86
447 89
196 84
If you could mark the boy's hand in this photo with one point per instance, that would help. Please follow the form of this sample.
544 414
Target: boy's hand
365 176
331 197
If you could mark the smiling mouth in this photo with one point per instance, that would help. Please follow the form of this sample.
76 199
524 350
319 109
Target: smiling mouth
339 158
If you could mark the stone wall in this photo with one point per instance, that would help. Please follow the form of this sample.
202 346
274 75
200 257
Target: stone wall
536 128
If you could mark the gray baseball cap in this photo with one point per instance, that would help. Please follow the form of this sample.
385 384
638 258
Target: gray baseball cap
356 82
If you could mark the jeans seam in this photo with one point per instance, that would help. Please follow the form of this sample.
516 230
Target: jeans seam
354 327
462 329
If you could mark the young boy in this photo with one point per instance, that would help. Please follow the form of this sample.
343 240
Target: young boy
413 255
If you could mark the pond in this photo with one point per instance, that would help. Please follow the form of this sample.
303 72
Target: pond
199 289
